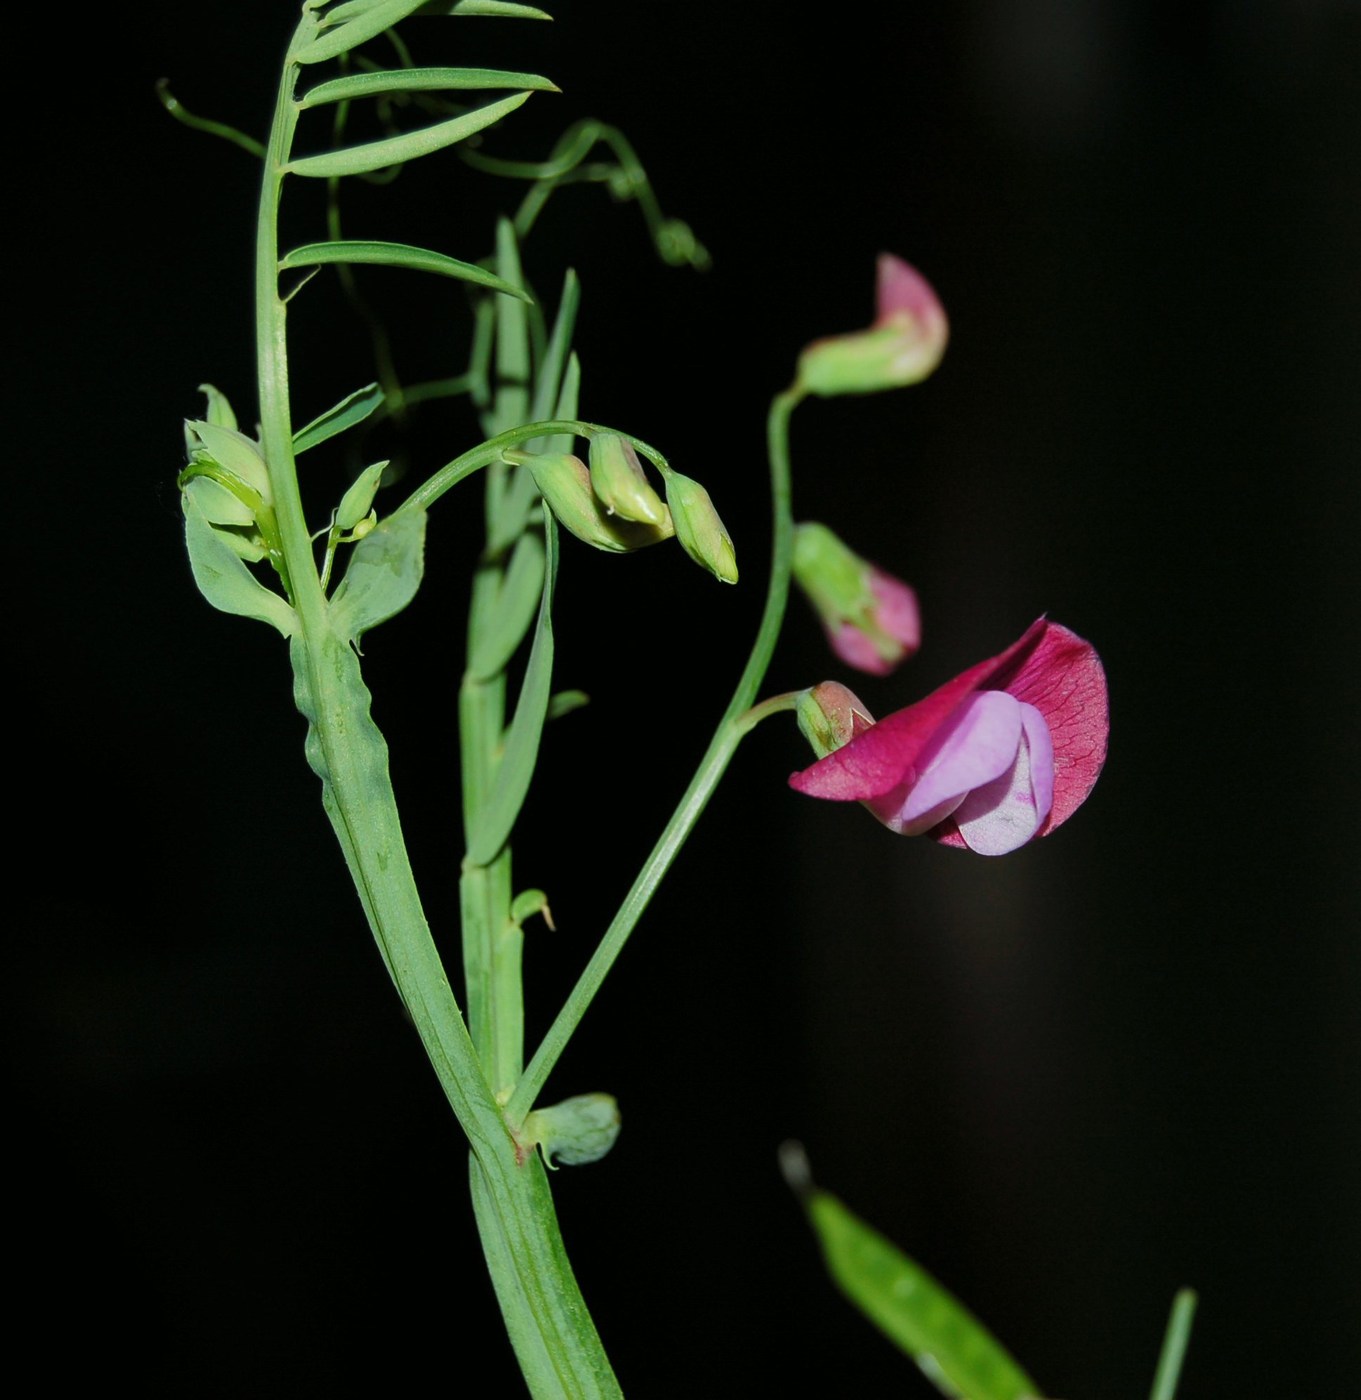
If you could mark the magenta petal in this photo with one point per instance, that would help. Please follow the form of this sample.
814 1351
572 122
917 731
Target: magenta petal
1009 811
898 612
878 761
976 746
1062 677
902 291
857 649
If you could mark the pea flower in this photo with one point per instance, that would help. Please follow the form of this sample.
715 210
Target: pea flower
871 619
999 756
903 345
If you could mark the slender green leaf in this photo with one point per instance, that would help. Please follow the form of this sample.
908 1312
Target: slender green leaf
513 611
564 702
352 409
500 9
354 86
549 379
224 580
1175 1341
395 255
511 406
348 26
513 774
411 145
382 577
955 1351
350 10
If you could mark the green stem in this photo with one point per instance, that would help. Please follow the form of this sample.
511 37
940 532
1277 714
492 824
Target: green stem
349 753
489 453
717 756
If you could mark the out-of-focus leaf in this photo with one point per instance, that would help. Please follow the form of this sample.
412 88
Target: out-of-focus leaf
493 824
922 1318
1175 1342
411 145
352 409
353 250
224 580
382 576
513 611
354 86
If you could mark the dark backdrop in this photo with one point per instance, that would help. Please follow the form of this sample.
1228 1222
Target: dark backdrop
1069 1081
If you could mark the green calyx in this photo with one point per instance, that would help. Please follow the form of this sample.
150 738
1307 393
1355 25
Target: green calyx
698 527
619 483
565 484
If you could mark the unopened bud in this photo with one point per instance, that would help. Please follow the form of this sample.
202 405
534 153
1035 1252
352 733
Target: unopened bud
356 502
232 450
698 527
577 1130
565 484
871 619
619 484
830 716
903 346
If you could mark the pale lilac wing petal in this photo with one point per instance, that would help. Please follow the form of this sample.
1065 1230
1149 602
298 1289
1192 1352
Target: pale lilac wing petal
1062 677
977 745
1009 811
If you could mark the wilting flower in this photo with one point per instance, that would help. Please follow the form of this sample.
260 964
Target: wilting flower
999 756
871 618
903 345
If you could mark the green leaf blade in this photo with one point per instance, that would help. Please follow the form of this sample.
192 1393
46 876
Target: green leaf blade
356 86
411 145
348 26
352 409
379 254
922 1318
495 9
382 577
494 823
223 578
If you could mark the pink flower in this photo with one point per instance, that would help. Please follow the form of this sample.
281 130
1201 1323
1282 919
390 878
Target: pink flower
997 757
871 619
903 346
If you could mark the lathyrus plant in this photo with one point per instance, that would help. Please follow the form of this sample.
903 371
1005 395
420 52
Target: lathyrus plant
1000 755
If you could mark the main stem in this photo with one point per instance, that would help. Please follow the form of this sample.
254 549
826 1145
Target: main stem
557 1345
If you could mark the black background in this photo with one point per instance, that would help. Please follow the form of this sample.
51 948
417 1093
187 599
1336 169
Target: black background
1069 1081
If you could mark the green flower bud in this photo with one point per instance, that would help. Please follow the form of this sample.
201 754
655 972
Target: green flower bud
698 527
619 484
830 716
565 484
577 1130
903 345
233 451
356 502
